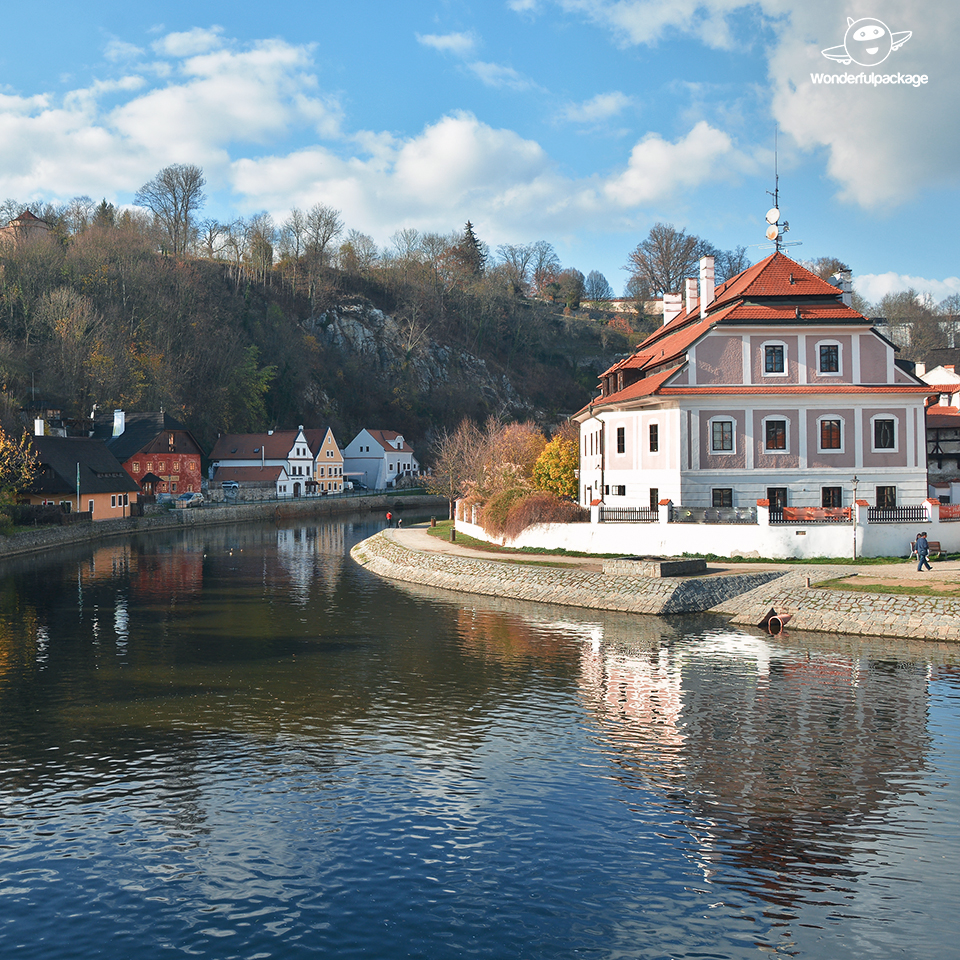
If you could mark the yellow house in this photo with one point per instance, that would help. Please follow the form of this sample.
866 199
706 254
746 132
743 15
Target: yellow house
328 461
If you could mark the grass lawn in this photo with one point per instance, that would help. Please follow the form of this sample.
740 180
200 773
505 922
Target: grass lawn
906 590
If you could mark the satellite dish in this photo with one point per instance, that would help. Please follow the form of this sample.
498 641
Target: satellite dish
773 215
772 232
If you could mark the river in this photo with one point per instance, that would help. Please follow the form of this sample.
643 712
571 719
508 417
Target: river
235 742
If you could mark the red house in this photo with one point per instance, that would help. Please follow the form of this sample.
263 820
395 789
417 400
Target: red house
159 452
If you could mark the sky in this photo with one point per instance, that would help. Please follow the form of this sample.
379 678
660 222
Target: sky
580 122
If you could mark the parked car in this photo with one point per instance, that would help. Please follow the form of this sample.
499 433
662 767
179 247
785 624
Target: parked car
190 500
164 498
230 485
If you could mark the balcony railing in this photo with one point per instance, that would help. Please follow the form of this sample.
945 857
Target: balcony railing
628 515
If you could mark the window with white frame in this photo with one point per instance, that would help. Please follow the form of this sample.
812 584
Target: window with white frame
830 434
884 433
774 359
722 435
775 438
828 358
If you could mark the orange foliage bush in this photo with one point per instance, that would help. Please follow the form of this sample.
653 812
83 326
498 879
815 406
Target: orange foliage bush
541 507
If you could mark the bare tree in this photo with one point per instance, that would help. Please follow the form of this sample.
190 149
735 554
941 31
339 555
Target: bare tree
79 214
545 265
323 224
664 260
261 234
517 258
174 195
358 253
210 239
596 288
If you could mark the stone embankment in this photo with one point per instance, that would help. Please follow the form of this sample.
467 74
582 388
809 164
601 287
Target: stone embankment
387 557
55 537
744 597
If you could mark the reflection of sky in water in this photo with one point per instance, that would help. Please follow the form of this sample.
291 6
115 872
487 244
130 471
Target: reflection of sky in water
251 746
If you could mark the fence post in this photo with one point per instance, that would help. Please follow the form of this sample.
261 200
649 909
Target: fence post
595 511
663 514
931 507
859 512
763 513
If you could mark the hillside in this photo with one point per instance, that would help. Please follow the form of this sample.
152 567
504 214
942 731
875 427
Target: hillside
102 319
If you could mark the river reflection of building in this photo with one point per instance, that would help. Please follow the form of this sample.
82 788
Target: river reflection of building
778 757
311 555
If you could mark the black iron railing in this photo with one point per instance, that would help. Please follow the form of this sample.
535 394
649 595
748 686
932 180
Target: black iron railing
628 515
896 514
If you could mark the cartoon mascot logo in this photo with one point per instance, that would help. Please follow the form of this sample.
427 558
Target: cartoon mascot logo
867 42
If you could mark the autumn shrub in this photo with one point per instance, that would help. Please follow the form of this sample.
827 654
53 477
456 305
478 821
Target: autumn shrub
494 516
541 507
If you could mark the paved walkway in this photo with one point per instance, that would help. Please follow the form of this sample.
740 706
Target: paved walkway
945 573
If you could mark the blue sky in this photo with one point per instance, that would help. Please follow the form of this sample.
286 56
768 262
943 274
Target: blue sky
581 122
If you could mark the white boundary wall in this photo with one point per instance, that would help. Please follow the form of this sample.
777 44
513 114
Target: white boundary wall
778 542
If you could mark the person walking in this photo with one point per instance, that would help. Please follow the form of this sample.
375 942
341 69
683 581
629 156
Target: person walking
923 548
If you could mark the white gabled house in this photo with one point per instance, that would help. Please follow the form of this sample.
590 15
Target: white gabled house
378 459
769 387
288 449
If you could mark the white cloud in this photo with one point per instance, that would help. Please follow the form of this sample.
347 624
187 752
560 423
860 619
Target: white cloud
497 75
601 107
658 168
883 144
460 44
874 286
219 99
189 43
118 50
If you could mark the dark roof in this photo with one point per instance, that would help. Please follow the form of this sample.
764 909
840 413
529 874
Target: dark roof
139 431
100 470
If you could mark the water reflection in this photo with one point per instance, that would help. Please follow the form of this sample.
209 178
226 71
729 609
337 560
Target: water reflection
238 736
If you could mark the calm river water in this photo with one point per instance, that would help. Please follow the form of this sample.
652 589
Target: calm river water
235 742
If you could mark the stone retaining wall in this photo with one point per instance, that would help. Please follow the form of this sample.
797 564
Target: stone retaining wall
744 598
54 537
843 611
568 587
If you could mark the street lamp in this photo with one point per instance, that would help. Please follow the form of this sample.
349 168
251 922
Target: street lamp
853 514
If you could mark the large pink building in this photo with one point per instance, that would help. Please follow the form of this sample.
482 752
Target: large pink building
769 386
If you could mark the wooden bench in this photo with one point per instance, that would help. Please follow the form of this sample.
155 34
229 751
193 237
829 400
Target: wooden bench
933 547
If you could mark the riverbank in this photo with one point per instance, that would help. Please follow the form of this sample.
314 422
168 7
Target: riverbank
743 592
46 538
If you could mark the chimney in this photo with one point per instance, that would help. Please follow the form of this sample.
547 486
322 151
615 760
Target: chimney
846 288
706 284
692 294
38 427
119 424
672 306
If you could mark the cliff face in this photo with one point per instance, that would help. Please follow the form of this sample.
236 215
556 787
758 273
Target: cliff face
390 351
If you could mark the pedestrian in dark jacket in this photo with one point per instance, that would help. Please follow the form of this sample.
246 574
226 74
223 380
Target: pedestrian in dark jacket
923 548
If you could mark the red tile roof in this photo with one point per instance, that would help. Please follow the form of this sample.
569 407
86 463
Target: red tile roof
777 291
943 417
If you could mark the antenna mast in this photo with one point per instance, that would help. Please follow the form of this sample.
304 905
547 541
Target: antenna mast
776 229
